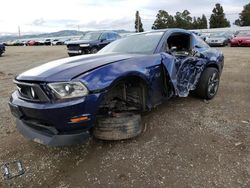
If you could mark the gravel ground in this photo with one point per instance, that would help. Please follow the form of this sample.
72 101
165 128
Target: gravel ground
186 142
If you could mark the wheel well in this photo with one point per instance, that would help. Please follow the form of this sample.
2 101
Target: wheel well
213 65
127 94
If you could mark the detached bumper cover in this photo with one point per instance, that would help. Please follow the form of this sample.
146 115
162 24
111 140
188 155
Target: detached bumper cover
51 139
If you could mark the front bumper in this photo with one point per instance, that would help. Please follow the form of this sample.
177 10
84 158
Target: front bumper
49 123
240 43
51 139
76 52
216 43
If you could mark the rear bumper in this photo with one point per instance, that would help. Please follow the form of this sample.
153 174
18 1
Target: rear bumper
51 139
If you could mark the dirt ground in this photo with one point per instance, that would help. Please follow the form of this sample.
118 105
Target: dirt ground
187 142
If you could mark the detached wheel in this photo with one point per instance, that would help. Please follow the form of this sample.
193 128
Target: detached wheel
122 126
208 84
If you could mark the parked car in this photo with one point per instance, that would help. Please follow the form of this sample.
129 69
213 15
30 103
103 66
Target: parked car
204 36
2 49
47 42
241 39
32 43
58 41
91 42
219 39
59 103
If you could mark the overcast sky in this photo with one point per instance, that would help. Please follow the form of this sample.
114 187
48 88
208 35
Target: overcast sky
55 15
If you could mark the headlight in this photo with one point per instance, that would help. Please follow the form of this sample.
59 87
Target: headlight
84 45
64 90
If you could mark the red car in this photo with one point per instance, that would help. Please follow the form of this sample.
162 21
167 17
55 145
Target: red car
32 43
242 39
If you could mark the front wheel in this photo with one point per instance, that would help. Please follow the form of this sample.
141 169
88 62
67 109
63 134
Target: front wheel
208 84
93 50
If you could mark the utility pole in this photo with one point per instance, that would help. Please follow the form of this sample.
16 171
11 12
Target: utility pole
19 31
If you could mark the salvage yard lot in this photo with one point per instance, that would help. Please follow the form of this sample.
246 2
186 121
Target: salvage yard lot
187 142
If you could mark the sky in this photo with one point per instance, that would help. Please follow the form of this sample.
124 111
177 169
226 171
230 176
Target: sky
54 15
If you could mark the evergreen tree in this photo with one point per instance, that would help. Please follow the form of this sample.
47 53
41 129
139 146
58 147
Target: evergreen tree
183 20
244 19
204 22
217 19
163 20
138 23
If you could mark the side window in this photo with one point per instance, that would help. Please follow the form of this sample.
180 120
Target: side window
199 43
111 36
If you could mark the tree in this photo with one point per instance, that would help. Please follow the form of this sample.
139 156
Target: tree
183 20
163 20
204 22
217 19
199 23
244 19
138 23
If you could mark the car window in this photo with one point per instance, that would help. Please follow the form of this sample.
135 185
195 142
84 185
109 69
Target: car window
91 36
112 36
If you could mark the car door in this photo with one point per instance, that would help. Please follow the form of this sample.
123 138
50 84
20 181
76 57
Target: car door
104 40
184 69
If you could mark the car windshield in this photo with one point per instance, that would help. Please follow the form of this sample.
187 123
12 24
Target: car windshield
144 43
217 35
91 36
243 34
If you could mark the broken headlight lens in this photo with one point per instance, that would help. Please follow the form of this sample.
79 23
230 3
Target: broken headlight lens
65 90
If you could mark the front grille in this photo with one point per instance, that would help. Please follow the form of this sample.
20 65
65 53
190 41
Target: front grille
73 47
31 92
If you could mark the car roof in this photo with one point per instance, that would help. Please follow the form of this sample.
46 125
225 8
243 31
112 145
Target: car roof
170 30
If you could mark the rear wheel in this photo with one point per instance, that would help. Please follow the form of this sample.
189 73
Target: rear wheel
208 84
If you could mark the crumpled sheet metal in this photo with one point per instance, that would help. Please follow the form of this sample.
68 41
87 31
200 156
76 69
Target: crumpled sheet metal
188 75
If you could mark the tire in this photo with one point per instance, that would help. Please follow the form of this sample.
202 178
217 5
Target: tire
208 84
123 126
94 50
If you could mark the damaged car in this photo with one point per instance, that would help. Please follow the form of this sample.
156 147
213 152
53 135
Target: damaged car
68 100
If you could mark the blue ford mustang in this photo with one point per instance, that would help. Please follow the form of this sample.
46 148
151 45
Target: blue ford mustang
58 103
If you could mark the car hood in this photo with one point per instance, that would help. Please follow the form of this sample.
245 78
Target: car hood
80 42
241 38
69 68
